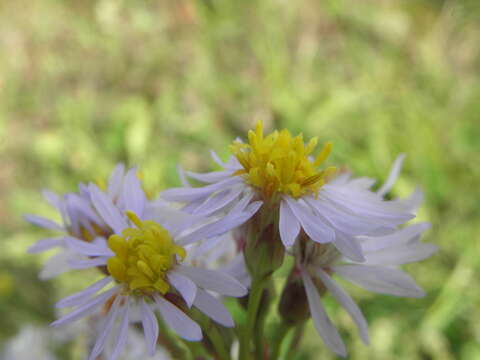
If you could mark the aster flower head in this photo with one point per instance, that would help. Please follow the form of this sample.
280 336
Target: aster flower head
316 265
280 163
144 264
296 192
80 220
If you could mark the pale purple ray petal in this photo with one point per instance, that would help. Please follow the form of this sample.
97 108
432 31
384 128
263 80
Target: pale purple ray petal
86 263
192 194
45 244
215 228
380 279
210 177
107 328
366 204
86 309
400 255
122 332
107 210
341 220
413 202
213 308
218 201
183 176
88 248
43 222
133 195
55 265
174 220
213 280
322 323
81 297
316 229
177 320
216 158
52 198
349 246
400 237
184 285
288 224
150 327
363 183
347 302
115 181
392 177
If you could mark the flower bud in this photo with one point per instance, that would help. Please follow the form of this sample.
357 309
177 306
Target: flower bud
293 306
264 251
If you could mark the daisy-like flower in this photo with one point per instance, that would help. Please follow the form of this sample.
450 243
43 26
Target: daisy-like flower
143 261
380 273
279 171
80 222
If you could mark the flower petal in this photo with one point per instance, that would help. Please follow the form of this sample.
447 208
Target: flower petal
43 222
347 302
288 224
52 198
87 263
218 201
380 279
177 320
322 323
184 285
349 246
88 248
397 238
45 244
115 181
122 333
400 255
86 309
213 280
316 229
107 210
192 194
107 329
219 227
213 308
209 177
392 177
150 327
133 195
79 298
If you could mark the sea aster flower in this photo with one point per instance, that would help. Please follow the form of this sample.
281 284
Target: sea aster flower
143 261
80 222
278 170
380 273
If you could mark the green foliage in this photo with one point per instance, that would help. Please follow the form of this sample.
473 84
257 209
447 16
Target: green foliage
85 84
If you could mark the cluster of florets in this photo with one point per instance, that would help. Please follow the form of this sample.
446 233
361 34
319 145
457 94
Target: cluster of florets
181 253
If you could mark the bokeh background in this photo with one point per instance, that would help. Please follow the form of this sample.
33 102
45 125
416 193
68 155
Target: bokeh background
86 84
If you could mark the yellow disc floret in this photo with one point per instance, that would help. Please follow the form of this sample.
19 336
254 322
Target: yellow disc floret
143 256
281 163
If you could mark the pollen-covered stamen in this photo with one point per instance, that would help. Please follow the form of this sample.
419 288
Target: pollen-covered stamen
143 256
281 163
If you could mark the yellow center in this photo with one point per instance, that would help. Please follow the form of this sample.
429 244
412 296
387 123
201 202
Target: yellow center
143 256
281 163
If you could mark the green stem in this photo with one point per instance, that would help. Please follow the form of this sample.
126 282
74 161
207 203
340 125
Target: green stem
297 337
258 336
217 342
280 332
252 311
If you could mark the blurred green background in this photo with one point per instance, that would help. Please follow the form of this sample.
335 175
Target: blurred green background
85 84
